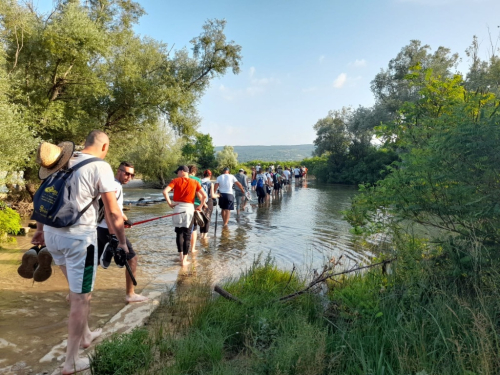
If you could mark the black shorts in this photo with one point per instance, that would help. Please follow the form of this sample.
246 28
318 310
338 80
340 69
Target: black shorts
102 240
226 201
277 186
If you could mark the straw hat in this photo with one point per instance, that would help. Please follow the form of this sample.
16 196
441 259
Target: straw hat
52 158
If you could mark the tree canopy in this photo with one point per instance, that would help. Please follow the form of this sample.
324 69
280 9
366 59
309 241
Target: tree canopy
83 67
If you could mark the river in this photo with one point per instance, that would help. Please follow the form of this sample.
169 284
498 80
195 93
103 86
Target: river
304 228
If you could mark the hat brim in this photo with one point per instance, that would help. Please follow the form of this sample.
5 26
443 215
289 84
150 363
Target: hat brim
68 148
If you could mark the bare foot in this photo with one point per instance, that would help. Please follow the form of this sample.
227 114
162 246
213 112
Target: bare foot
185 263
81 364
194 250
87 339
67 297
135 298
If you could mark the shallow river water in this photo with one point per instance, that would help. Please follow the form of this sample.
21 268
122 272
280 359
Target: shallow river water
304 228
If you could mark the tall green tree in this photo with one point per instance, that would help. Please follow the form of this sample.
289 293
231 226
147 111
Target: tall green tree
201 151
227 157
82 67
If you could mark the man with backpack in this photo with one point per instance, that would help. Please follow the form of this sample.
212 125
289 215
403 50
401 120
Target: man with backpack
239 195
123 175
260 187
74 246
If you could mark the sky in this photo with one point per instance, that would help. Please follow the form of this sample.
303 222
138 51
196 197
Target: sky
302 59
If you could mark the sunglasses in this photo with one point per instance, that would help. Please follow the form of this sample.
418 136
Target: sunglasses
128 174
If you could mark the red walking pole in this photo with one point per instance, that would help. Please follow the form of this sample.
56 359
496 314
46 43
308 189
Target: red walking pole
156 218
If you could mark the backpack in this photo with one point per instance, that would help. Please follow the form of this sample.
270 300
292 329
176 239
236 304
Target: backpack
260 182
53 204
207 187
275 178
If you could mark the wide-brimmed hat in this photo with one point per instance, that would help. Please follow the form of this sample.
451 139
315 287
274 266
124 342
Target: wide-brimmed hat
52 158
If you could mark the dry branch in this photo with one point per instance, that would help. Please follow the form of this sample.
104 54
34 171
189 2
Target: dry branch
226 294
319 278
325 276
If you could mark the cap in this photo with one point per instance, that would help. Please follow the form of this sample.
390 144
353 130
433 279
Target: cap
241 170
183 168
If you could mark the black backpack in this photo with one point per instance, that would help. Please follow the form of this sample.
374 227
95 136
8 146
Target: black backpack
275 178
53 204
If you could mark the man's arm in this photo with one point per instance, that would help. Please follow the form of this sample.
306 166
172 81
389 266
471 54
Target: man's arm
216 186
114 218
167 197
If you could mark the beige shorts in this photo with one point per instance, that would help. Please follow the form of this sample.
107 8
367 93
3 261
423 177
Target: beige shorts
79 256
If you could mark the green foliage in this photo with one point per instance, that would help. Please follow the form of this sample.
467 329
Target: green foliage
122 354
83 67
155 154
10 222
200 151
227 158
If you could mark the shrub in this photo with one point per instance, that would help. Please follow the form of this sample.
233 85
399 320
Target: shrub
10 222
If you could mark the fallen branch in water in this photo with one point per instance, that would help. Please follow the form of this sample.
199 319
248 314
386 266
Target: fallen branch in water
325 276
318 278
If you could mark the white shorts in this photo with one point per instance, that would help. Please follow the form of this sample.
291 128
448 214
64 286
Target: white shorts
79 256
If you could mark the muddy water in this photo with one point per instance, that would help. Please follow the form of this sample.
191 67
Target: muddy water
303 228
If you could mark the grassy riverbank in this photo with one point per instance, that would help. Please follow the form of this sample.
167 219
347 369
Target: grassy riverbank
411 321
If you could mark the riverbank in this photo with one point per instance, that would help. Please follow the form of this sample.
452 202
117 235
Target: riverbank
370 323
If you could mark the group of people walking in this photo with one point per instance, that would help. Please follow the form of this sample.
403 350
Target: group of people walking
81 214
272 182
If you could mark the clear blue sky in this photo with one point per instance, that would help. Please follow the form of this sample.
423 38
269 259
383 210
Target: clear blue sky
304 58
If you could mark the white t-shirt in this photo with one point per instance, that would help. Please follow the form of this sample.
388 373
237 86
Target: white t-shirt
226 182
297 171
119 198
92 179
286 172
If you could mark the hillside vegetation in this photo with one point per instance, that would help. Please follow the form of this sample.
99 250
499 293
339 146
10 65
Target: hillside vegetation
272 153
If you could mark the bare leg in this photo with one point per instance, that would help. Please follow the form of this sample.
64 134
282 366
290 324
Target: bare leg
131 296
184 261
225 216
194 236
77 324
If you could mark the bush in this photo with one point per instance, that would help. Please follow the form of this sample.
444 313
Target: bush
10 222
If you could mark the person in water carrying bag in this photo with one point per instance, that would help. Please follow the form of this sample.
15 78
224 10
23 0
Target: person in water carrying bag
68 229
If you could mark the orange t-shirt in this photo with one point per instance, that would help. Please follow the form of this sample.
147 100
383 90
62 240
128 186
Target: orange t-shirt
184 189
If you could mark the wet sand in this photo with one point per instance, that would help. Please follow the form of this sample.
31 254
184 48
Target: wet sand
34 316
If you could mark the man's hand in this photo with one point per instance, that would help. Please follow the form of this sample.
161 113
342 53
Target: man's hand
124 247
38 238
172 205
198 208
127 223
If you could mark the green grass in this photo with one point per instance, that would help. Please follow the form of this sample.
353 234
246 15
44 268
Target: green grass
369 324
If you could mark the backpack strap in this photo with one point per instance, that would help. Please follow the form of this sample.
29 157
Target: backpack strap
76 167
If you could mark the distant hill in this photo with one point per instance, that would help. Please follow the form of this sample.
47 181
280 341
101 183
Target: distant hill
272 153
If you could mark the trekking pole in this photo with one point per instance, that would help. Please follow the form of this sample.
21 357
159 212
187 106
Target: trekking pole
129 270
156 218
